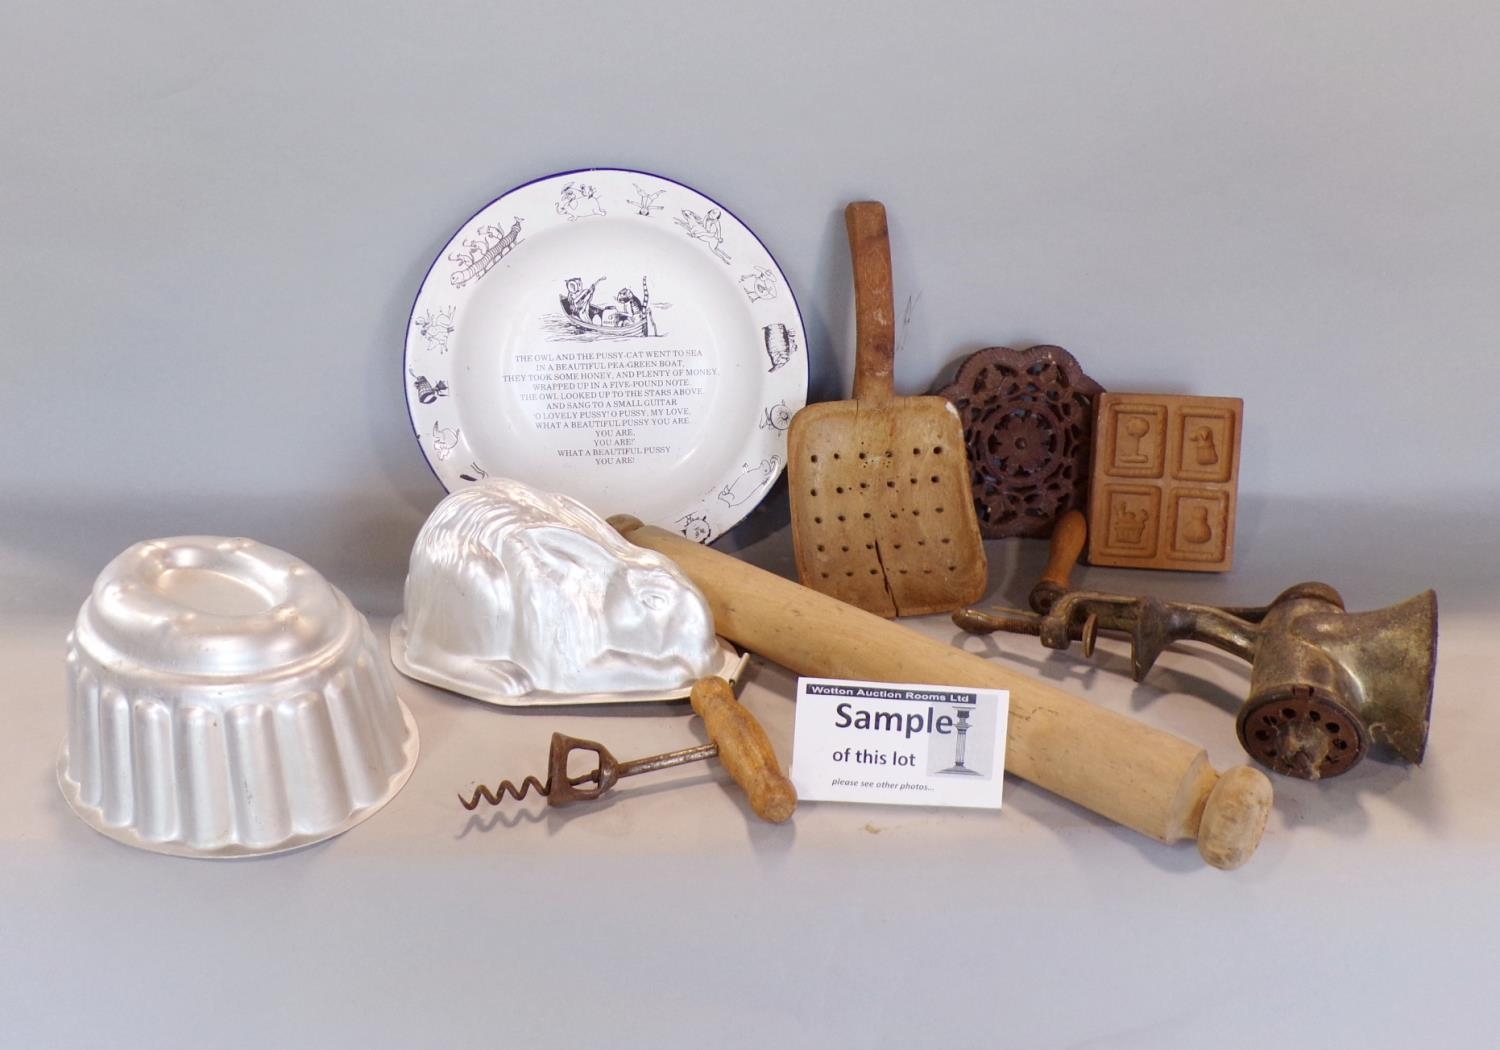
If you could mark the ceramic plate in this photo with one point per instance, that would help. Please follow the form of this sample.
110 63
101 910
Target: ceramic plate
615 336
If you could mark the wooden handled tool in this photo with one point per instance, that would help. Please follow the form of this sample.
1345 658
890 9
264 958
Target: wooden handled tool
1325 684
1143 778
882 510
1068 537
744 749
738 740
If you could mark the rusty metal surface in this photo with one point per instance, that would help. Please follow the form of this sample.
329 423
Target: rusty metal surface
559 788
1325 684
1028 419
1302 733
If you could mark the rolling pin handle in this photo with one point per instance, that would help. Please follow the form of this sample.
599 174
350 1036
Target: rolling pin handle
1234 817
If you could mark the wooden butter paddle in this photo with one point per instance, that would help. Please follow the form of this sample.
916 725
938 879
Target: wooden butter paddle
882 511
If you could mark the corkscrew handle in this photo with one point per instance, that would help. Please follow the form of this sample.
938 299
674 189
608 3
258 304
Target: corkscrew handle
745 750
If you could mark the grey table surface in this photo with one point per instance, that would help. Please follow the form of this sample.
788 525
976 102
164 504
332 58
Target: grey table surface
668 914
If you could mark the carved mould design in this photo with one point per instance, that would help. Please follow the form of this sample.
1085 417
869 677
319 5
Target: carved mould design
1165 481
1028 420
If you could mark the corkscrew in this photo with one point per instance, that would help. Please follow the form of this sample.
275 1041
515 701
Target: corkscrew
738 741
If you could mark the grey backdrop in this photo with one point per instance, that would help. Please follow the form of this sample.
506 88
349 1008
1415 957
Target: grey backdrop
213 219
216 217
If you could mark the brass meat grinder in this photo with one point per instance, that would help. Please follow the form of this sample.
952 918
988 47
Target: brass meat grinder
1325 684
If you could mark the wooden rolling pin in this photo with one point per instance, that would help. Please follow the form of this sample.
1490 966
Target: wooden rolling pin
744 750
1143 778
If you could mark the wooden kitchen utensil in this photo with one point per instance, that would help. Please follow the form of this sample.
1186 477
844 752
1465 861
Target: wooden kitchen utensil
882 514
1165 482
1123 769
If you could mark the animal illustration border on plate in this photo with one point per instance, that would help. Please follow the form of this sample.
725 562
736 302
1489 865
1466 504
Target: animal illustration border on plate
613 335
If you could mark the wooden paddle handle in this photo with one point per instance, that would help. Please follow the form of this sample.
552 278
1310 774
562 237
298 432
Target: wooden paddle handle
874 302
744 749
1143 778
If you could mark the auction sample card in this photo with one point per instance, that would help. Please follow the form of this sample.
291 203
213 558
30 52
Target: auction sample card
918 745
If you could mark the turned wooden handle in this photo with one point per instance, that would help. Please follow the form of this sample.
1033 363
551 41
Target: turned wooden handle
874 302
744 749
1143 778
1068 537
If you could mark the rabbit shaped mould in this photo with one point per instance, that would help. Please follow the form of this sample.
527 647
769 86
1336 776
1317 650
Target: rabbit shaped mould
520 596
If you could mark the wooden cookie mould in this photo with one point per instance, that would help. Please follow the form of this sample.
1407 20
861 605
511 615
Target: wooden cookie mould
1165 482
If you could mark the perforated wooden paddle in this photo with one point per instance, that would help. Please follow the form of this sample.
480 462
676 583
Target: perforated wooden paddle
882 514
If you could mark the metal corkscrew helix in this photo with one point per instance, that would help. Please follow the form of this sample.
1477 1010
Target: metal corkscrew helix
559 789
1325 684
738 741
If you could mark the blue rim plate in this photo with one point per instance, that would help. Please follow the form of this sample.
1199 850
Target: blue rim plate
613 335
